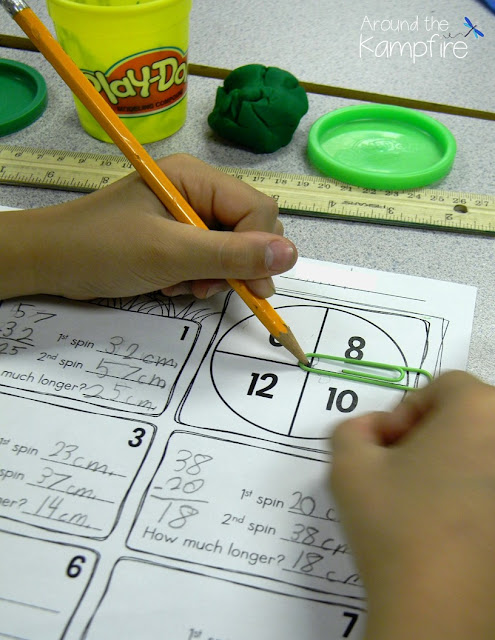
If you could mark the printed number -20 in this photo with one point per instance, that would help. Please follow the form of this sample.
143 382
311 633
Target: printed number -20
258 386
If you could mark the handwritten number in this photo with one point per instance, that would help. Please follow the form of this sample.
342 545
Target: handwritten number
96 391
198 459
137 441
67 449
29 333
116 389
101 365
309 534
47 473
310 558
131 351
17 312
274 343
8 329
183 460
10 349
186 511
115 341
175 484
303 504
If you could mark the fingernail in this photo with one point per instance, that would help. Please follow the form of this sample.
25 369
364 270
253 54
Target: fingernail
279 256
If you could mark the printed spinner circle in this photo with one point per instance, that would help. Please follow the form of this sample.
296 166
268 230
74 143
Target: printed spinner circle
269 390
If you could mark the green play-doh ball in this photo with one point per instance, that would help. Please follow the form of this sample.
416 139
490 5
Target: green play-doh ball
258 107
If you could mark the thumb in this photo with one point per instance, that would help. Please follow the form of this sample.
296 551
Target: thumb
245 255
191 254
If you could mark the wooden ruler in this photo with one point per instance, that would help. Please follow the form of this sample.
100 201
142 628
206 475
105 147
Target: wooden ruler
296 194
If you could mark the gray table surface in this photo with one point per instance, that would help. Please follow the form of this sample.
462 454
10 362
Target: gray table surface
320 42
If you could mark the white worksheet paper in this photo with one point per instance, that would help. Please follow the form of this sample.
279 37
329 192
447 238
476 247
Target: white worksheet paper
164 463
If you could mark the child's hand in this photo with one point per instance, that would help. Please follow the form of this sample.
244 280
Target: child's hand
416 490
120 241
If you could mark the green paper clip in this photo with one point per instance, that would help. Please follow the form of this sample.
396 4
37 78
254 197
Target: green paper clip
363 376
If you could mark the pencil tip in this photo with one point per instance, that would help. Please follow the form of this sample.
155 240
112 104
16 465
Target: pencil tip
288 341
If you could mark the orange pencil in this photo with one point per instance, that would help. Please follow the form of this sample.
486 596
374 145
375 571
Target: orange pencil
139 157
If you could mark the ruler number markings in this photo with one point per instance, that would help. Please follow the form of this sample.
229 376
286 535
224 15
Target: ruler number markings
295 194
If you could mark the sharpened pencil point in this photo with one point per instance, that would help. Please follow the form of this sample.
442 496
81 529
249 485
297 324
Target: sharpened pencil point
288 341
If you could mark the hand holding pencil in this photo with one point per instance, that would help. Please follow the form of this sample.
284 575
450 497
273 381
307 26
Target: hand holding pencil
147 168
120 241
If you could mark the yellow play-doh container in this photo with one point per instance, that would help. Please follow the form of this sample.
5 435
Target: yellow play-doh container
134 52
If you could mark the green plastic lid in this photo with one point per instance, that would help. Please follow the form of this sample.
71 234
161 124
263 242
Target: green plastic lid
24 96
381 147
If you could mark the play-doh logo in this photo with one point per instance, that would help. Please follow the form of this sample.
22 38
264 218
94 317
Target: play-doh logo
144 83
